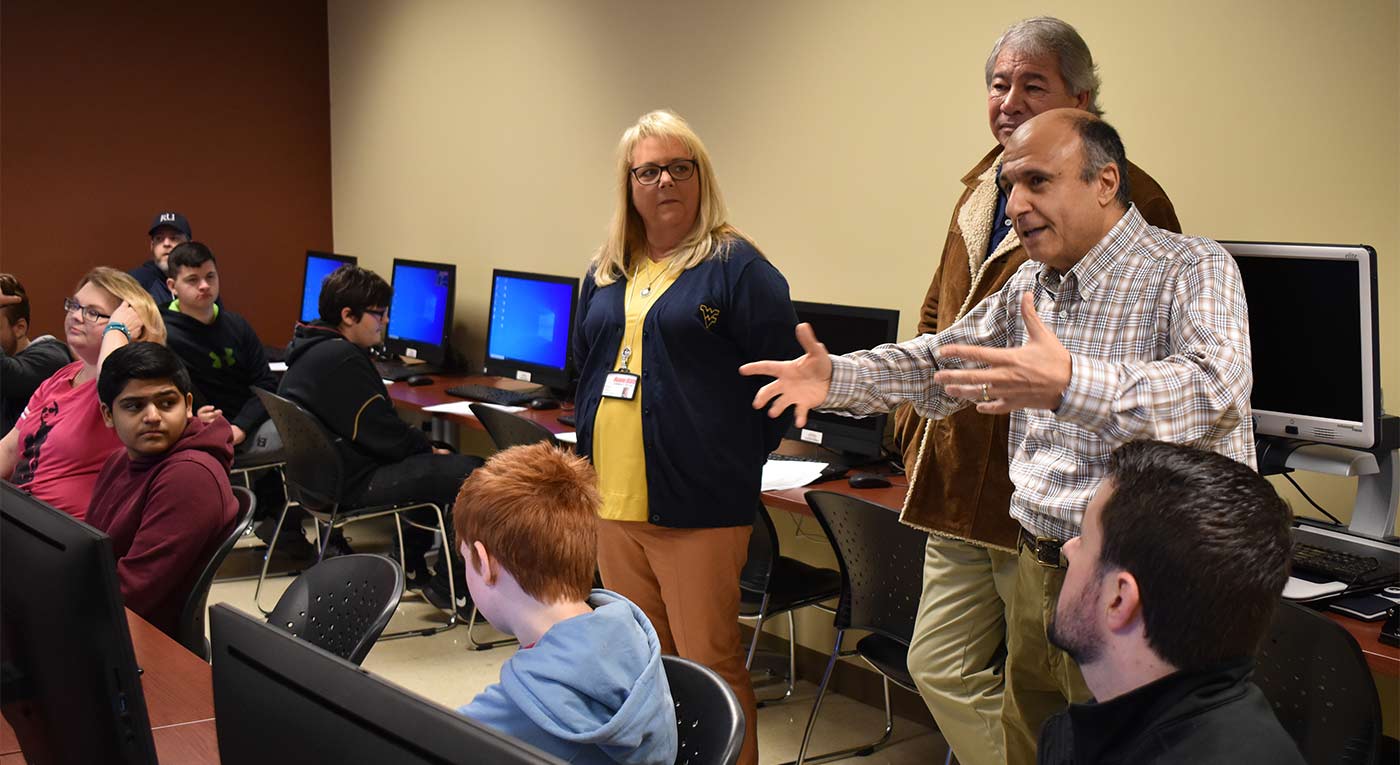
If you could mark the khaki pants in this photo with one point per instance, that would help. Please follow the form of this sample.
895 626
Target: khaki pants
1040 678
959 646
687 583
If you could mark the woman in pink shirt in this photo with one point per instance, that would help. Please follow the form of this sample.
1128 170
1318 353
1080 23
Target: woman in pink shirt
60 442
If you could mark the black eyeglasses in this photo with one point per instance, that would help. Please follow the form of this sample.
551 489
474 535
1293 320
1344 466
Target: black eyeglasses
649 174
379 314
89 312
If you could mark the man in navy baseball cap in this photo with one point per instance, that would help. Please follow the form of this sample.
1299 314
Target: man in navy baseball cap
168 229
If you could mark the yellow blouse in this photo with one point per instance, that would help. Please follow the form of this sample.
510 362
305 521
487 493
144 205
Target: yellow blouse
617 428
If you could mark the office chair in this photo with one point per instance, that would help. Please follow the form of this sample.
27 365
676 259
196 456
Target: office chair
314 471
341 604
709 720
191 633
507 429
771 584
882 576
1315 677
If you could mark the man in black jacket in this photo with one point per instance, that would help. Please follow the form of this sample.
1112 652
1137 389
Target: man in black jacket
168 230
1171 586
225 360
387 461
24 362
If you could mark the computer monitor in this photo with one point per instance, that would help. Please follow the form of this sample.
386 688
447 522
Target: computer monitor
279 698
532 323
319 265
844 328
420 317
69 686
1315 338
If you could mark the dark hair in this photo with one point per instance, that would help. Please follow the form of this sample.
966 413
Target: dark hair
139 361
1207 540
188 255
11 286
1102 146
354 288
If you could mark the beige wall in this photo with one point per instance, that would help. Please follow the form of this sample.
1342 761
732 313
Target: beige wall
483 133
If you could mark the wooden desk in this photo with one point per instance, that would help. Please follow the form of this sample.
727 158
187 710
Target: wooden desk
406 396
179 693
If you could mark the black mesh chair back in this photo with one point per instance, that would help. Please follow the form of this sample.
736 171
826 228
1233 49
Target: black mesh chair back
1315 677
763 551
507 429
313 467
709 719
881 562
341 604
192 615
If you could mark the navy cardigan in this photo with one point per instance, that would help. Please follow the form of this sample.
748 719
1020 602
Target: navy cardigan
704 442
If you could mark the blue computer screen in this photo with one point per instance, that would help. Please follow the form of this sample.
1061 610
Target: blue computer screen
530 321
317 269
419 309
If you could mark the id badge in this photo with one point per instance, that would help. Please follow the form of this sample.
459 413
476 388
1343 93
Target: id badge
621 385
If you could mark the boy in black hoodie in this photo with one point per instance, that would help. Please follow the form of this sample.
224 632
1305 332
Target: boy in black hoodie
387 461
225 360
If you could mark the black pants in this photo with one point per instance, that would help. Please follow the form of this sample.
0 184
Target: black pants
422 478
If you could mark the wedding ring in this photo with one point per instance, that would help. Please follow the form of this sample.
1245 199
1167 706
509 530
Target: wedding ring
986 396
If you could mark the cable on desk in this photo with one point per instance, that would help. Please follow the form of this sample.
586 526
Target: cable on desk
1310 500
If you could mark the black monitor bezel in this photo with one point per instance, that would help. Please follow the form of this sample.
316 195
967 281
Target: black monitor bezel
368 704
432 353
83 630
525 371
345 260
832 433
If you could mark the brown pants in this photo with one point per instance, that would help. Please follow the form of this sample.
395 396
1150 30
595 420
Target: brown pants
687 583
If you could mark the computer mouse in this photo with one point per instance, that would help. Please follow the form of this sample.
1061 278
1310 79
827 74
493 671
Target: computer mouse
417 380
543 403
868 481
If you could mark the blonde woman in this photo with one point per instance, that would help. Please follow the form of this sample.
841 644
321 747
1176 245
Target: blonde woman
673 302
60 442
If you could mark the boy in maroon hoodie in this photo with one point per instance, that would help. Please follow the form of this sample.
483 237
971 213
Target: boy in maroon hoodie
165 500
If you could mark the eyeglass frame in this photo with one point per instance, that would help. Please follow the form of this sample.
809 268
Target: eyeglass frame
382 314
71 304
666 168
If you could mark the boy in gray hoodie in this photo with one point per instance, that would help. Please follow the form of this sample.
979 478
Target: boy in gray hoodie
587 684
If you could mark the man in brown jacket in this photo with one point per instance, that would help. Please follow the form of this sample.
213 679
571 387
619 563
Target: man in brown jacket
959 486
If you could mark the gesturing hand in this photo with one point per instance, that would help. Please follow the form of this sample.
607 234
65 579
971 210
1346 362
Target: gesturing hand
1033 376
208 414
801 383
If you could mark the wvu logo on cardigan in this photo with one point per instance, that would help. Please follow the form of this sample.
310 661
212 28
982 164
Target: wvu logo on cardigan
709 316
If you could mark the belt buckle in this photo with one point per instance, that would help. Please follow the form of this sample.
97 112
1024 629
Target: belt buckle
1047 551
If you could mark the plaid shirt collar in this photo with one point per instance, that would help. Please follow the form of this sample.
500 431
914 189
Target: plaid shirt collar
1082 278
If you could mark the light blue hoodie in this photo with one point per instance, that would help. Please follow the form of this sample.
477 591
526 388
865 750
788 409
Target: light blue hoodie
592 690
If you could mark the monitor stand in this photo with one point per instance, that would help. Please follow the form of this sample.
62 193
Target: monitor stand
1376 470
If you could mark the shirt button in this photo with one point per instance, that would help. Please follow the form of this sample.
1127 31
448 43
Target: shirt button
656 519
646 411
646 334
645 374
1006 222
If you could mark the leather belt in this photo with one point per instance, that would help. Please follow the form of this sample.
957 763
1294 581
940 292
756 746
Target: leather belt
1045 549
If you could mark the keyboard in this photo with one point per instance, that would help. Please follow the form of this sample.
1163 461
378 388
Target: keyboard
501 396
1341 566
831 472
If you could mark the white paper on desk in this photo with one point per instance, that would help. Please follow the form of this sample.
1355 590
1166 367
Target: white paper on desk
387 383
464 407
277 366
790 474
1303 590
570 437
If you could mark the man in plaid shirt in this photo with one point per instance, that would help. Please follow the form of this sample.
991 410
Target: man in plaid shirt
1113 331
